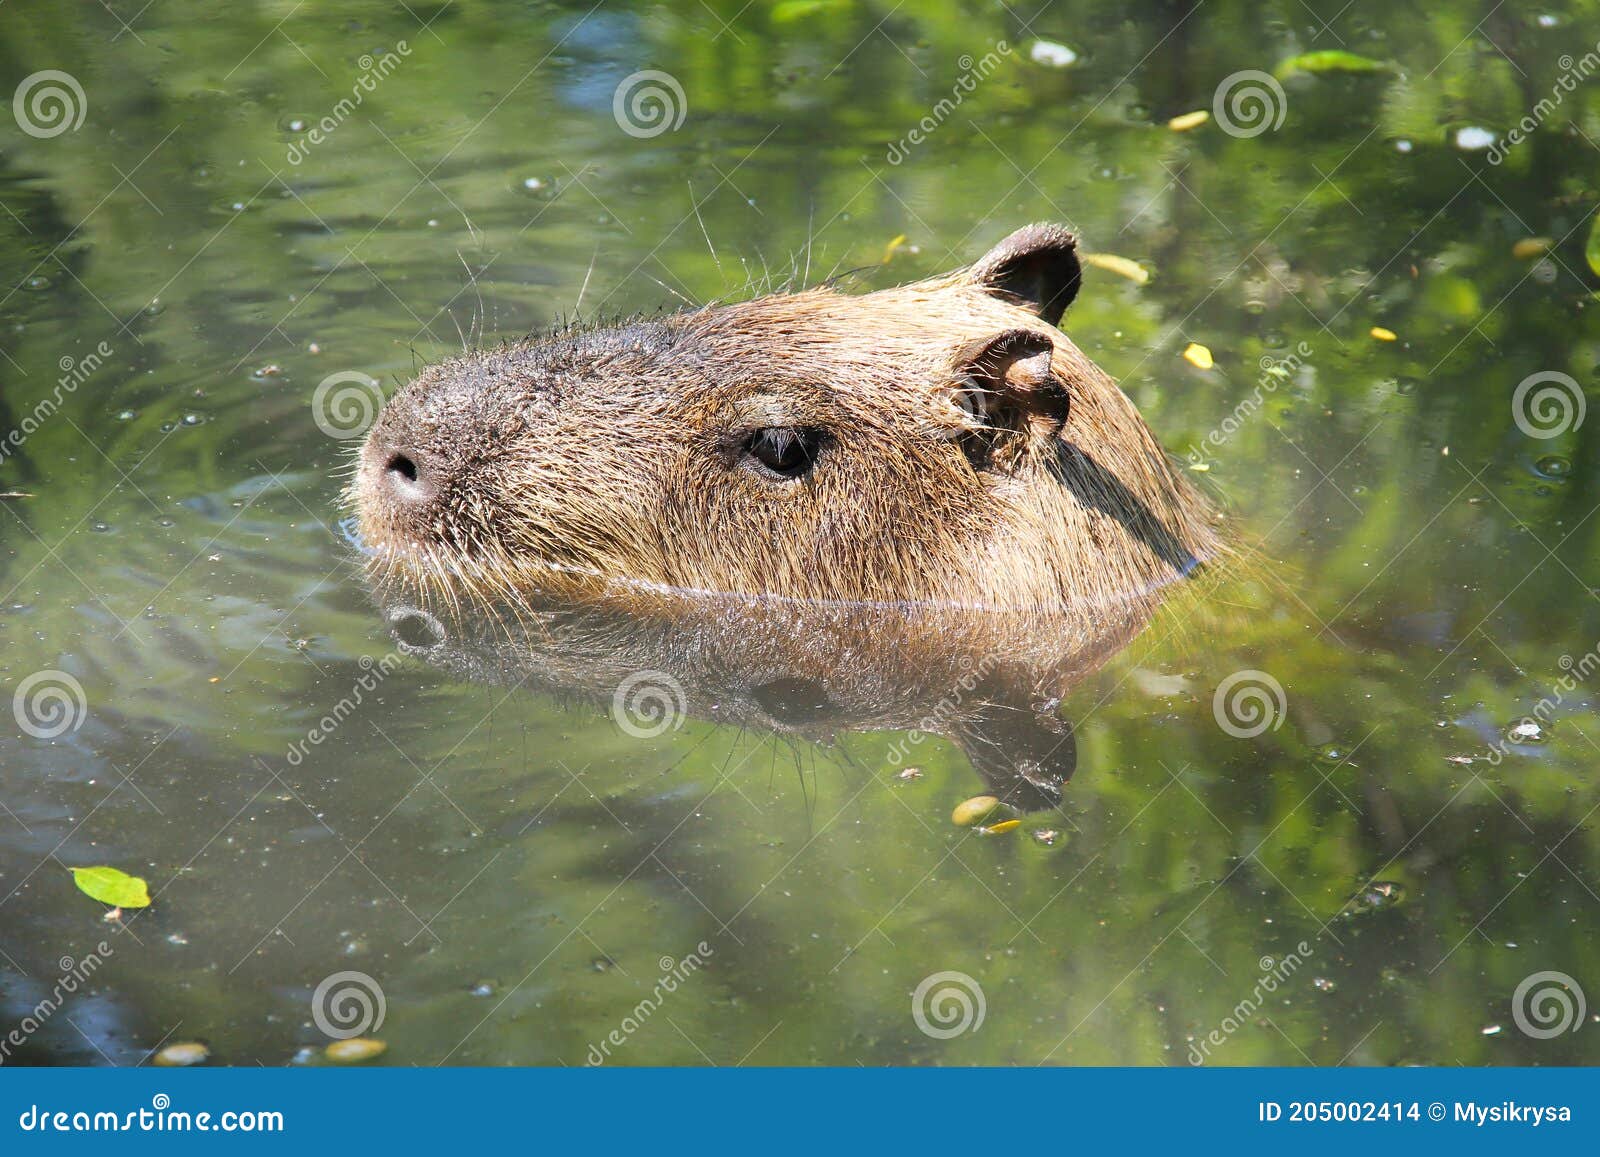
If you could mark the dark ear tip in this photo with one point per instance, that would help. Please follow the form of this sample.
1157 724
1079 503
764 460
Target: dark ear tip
1037 264
1041 240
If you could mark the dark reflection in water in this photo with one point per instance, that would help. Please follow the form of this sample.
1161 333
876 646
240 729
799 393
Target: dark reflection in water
990 681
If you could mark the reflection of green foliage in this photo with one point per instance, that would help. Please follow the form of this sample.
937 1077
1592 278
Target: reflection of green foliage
1428 588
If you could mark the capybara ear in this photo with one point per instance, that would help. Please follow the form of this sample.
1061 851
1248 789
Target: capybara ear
1036 267
1010 390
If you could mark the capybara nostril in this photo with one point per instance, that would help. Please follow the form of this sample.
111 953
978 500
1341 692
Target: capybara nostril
403 466
405 477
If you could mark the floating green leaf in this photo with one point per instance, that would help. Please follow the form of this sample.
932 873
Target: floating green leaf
1591 249
110 886
1331 60
789 11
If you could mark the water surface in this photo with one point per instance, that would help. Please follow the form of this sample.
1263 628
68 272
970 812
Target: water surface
517 875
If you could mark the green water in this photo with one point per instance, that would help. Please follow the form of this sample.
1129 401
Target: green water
515 875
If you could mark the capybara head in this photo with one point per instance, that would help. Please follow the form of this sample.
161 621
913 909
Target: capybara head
941 441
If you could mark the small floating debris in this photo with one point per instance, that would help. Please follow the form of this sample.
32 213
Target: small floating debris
1382 334
1189 120
1375 897
1491 1030
1198 356
1323 984
971 812
908 774
1051 55
181 1055
1121 266
1473 138
1530 248
1046 836
355 1050
1525 731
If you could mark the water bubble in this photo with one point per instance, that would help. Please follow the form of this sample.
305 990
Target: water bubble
1323 984
1472 137
127 415
1402 146
294 124
193 420
38 282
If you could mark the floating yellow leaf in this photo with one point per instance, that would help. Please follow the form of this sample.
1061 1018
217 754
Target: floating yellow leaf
355 1050
1530 247
1121 266
1382 334
1189 120
974 810
1001 828
889 249
110 886
181 1055
1198 356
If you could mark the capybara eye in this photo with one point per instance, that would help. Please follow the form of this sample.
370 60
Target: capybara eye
785 451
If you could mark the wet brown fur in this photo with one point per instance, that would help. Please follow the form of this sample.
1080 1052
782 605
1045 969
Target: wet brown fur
613 454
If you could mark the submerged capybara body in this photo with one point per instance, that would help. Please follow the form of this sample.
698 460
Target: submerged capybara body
940 442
